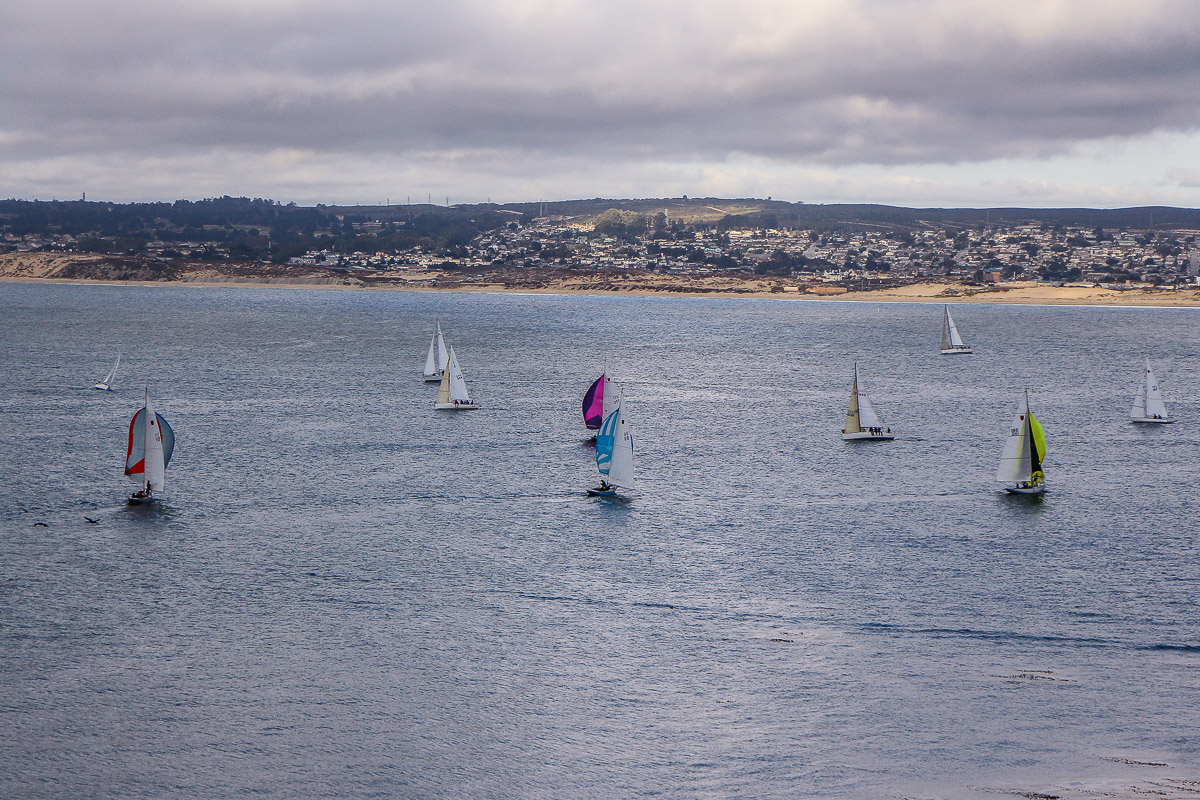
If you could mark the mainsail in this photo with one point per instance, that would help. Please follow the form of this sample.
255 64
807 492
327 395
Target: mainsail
431 367
1149 401
457 388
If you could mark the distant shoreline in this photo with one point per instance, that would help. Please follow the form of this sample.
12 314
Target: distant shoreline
933 293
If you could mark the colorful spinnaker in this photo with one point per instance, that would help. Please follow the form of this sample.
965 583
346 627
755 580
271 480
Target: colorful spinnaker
151 443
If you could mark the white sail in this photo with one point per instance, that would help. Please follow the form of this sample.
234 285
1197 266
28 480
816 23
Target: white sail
861 414
867 417
620 472
441 349
156 466
1139 403
1155 407
431 367
112 373
951 333
1016 462
612 397
457 386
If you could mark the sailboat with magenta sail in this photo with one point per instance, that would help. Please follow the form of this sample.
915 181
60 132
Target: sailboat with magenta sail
151 443
1024 449
600 400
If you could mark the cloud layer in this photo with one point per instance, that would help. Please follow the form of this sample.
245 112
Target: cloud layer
332 101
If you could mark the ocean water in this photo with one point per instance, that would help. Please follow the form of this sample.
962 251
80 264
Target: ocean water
348 595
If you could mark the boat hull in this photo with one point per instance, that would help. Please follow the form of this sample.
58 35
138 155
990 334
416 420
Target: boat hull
102 387
1025 490
597 492
957 351
1151 421
135 500
867 437
453 407
433 378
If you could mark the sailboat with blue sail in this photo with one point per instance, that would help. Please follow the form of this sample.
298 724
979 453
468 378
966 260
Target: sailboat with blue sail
614 455
151 443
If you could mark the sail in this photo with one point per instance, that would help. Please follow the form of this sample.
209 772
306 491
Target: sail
611 397
431 367
593 404
458 386
1016 460
149 453
852 416
1037 449
1139 403
621 470
950 337
605 441
443 395
443 358
1155 407
867 417
112 373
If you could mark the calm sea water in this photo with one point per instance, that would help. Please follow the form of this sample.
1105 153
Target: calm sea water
349 595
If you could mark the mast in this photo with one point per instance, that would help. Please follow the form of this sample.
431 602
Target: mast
441 346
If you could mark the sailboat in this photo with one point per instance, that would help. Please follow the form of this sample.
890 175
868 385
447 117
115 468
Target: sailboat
452 394
106 384
151 442
862 423
952 343
435 366
1024 449
600 400
614 455
1148 406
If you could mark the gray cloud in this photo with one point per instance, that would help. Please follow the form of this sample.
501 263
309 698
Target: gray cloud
543 82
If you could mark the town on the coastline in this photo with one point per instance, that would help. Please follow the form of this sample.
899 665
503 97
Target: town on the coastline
788 247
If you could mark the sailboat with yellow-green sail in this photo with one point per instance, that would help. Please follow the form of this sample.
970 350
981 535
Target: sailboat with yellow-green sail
1024 449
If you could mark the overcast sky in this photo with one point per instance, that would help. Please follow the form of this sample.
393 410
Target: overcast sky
911 102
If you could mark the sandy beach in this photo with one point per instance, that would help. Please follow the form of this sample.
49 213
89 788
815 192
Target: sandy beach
88 268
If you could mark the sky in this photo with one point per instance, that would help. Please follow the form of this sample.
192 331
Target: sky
927 103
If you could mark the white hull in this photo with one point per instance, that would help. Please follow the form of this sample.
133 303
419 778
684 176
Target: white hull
1025 489
433 378
137 499
1152 421
863 436
957 351
453 407
102 387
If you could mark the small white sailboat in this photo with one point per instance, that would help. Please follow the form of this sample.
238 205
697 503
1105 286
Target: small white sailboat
106 384
862 423
1024 449
435 365
1148 406
452 394
151 443
952 342
614 455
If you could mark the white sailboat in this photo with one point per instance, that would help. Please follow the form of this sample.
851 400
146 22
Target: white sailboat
862 423
452 394
1024 449
151 443
1148 406
435 365
952 342
106 384
614 455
